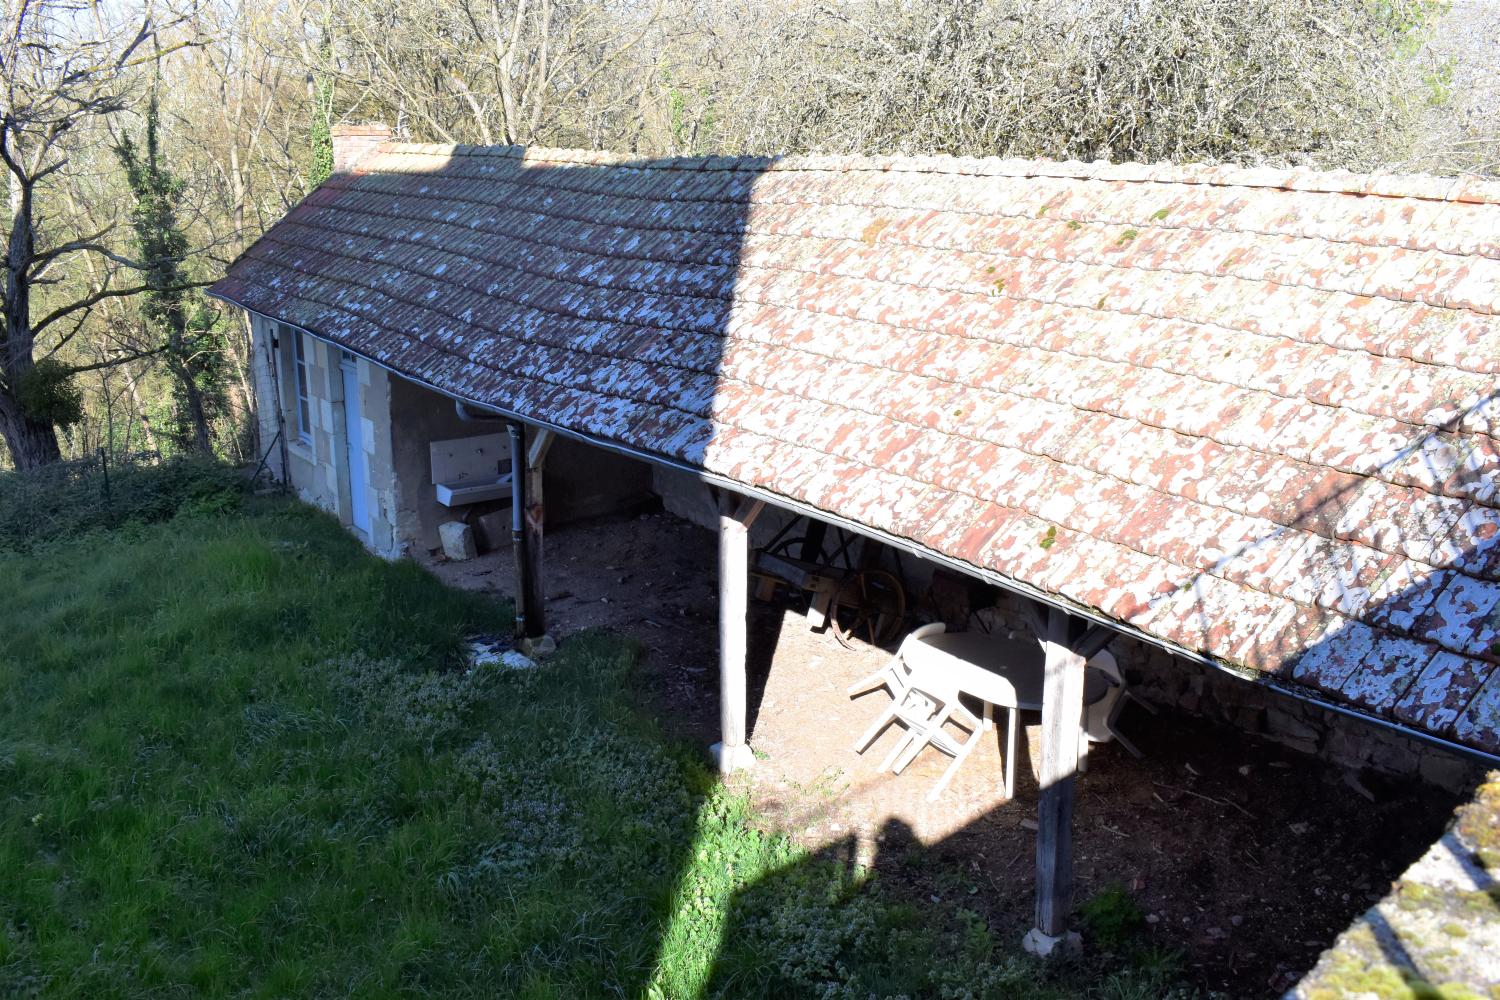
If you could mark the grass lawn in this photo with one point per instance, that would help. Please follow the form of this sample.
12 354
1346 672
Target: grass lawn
240 756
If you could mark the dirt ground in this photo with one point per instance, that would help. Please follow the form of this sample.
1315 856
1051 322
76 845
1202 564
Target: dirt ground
1247 858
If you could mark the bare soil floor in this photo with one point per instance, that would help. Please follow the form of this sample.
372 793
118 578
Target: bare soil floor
1247 858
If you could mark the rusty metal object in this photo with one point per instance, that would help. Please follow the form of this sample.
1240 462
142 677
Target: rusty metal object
869 607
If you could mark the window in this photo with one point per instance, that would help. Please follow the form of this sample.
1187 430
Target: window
304 406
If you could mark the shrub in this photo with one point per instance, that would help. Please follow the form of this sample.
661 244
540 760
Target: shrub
1112 917
68 500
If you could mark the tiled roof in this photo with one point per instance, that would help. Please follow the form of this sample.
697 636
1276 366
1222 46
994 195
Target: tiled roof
1252 412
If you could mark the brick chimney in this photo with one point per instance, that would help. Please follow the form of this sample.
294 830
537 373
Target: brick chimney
352 143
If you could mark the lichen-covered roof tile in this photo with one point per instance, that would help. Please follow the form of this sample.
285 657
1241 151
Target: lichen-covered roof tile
1442 690
1479 723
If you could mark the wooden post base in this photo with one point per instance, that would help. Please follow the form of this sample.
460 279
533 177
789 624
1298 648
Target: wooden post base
740 758
538 647
1051 946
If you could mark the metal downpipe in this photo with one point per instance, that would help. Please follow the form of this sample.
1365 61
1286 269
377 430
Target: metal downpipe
517 431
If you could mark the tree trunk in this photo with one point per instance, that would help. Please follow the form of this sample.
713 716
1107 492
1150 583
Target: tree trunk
200 440
31 444
140 411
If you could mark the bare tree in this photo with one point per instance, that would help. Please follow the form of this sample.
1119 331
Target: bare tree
489 71
1330 83
65 67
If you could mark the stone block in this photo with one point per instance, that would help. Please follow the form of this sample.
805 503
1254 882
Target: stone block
492 530
539 647
1447 771
950 594
458 540
1250 718
740 758
513 660
1047 946
1393 753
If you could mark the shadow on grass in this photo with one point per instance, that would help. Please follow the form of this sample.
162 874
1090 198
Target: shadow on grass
239 755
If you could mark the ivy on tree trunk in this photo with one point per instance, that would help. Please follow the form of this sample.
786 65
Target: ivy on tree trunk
167 306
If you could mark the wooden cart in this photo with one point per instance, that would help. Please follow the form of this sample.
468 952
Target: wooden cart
850 592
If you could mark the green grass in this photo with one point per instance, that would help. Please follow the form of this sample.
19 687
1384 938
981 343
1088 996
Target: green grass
238 756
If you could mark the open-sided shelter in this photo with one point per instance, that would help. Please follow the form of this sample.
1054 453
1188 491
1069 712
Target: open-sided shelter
1249 414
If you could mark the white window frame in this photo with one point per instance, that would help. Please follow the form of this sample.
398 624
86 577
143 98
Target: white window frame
302 403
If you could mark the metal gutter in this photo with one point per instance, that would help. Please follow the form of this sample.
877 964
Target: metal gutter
1295 692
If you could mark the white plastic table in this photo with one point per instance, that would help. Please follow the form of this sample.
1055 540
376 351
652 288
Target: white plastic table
996 670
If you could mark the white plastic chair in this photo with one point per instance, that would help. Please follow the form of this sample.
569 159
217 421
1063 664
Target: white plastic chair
895 677
942 695
937 679
1100 715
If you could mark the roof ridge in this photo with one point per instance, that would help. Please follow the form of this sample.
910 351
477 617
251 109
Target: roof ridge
1467 188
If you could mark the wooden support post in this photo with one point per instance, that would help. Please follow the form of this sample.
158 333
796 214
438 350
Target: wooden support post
1062 722
736 514
536 595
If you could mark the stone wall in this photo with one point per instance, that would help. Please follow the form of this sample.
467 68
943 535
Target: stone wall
1437 932
685 495
419 417
263 380
316 464
580 481
399 422
583 481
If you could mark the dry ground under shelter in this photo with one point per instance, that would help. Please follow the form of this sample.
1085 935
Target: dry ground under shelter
1247 857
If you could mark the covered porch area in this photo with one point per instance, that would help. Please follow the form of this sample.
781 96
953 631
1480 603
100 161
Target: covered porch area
1244 855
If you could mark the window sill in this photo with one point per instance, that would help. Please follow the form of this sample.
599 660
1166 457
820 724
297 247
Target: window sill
302 449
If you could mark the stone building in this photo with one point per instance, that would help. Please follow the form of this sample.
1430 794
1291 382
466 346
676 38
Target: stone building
1242 423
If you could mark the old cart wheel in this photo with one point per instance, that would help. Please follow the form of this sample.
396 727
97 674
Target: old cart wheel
870 606
792 548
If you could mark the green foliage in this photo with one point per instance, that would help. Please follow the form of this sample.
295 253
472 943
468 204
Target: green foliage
320 133
238 756
1439 82
175 317
49 394
64 502
689 133
153 217
1407 21
1112 917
